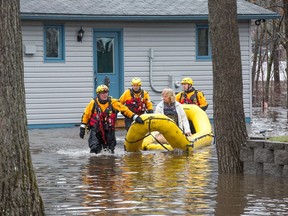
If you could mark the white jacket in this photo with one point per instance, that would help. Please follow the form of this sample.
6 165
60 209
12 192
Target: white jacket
182 118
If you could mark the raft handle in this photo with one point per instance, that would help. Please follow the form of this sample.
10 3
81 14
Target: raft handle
193 141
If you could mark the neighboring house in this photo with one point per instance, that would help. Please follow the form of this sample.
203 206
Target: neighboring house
160 41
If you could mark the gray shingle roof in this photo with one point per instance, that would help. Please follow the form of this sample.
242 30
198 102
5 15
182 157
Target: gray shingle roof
86 9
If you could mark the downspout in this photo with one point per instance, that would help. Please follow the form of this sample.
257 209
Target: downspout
151 56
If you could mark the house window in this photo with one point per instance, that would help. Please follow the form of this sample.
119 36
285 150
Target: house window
203 47
54 44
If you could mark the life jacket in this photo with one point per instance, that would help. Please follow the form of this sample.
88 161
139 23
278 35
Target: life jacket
191 100
136 105
171 112
103 120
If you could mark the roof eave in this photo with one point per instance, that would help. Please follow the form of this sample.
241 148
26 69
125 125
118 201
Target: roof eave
61 17
258 16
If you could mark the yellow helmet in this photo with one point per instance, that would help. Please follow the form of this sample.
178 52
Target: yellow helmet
187 80
136 81
102 88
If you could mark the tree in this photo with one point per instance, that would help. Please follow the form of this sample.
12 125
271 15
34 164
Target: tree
285 44
229 118
18 186
272 39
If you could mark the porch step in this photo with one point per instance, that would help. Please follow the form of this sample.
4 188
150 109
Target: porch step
120 123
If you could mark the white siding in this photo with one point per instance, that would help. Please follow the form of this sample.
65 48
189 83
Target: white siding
57 93
174 48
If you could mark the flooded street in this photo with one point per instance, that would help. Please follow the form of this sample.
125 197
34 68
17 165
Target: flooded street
74 182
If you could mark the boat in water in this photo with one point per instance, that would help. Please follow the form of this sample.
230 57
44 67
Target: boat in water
142 136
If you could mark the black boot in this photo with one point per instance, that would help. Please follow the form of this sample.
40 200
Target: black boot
93 150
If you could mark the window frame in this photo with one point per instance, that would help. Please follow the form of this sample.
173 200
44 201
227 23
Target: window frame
61 44
203 57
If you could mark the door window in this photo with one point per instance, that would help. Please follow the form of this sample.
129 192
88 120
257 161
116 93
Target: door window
105 55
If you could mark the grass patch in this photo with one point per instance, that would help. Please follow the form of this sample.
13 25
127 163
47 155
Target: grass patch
279 139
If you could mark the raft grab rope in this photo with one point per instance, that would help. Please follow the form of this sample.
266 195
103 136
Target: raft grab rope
194 140
149 129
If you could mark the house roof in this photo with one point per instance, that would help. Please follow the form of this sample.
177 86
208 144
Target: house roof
132 10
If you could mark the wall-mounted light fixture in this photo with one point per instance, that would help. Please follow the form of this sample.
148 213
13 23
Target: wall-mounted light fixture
80 34
258 21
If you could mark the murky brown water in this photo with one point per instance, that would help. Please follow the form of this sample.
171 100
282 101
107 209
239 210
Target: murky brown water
74 182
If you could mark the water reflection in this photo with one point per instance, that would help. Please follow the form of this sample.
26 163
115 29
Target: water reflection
74 182
265 195
159 183
153 183
230 195
100 183
251 195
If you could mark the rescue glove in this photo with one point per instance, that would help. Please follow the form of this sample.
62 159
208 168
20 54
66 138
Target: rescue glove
137 119
82 131
150 111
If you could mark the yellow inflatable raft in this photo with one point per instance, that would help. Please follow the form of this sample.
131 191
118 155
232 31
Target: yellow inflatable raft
140 137
204 135
154 122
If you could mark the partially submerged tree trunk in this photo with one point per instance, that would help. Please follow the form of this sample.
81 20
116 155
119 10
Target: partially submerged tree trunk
277 84
18 186
268 75
285 44
229 118
259 71
273 59
272 30
254 62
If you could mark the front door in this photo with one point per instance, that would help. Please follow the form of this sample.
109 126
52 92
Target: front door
107 69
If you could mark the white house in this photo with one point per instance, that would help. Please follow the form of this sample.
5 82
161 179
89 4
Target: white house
160 41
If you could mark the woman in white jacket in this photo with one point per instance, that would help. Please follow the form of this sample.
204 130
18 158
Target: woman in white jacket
173 109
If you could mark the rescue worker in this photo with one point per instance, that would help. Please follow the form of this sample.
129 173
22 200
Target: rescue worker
100 118
137 100
190 95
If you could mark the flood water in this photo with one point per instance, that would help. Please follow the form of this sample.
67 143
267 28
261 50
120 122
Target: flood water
74 182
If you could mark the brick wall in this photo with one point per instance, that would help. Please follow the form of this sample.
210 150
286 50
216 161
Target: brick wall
263 157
